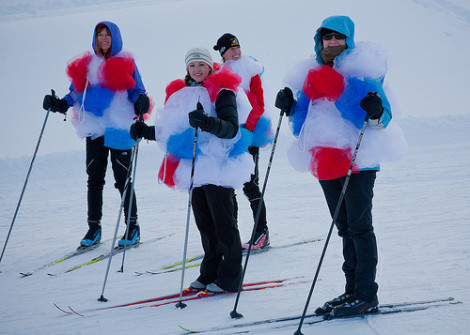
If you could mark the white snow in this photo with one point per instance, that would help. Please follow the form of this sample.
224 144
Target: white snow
421 205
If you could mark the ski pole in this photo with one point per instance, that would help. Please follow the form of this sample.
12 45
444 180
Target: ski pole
130 172
181 304
131 197
234 314
27 178
335 216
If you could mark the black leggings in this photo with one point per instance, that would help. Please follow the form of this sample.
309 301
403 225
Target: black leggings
253 193
96 164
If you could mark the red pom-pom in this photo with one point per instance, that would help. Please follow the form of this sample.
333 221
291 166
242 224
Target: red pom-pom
256 98
77 70
117 73
330 163
255 113
323 82
167 170
224 79
173 87
216 66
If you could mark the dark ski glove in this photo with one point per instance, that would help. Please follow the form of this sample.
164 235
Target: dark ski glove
197 118
372 104
140 130
55 104
142 104
285 100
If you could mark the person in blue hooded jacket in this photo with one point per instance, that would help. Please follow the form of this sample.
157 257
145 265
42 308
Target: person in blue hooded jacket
329 98
106 93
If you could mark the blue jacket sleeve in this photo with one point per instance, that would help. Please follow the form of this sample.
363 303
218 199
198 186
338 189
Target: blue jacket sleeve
139 87
69 98
299 112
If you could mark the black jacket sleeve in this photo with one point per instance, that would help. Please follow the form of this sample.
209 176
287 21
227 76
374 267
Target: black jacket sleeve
225 125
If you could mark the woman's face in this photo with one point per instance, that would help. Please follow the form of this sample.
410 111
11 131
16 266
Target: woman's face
104 40
333 40
198 71
233 53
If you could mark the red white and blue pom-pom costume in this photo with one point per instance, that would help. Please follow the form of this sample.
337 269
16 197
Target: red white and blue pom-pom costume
250 71
221 162
327 117
103 93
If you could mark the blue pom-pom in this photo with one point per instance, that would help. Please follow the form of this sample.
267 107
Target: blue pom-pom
298 118
262 134
97 99
243 143
349 102
181 145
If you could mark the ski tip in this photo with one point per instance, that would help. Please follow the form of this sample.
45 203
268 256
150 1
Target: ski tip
188 331
25 274
75 312
60 309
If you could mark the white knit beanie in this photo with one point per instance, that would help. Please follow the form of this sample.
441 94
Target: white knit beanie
199 54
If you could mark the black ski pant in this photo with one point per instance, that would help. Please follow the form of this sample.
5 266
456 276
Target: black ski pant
253 193
96 164
213 210
354 225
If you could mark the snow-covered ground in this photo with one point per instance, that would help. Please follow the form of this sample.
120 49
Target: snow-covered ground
421 205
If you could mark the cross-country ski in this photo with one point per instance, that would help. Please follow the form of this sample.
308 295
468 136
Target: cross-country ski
191 294
189 263
286 322
106 255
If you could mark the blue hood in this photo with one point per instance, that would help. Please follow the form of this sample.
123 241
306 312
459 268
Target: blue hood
343 25
116 46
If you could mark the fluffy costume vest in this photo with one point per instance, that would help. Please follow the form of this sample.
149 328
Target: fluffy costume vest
328 117
250 70
222 162
102 106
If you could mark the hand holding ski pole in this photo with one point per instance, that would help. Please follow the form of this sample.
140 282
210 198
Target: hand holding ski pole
198 118
285 100
372 104
54 104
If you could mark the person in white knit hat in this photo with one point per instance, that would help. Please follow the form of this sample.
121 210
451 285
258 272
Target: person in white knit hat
206 101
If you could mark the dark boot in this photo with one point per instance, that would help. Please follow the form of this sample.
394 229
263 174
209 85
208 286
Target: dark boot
357 306
93 236
133 236
331 304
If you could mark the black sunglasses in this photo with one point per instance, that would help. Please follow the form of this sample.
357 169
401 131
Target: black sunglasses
329 36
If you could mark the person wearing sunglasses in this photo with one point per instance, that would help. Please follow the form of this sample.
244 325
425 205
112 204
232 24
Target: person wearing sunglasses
335 100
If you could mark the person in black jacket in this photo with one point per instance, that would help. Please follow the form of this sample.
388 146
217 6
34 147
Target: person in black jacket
222 162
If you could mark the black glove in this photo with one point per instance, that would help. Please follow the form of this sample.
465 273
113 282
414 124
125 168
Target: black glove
140 130
372 104
142 104
55 104
197 118
284 100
